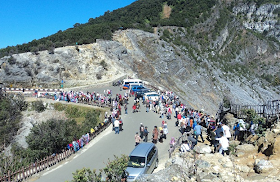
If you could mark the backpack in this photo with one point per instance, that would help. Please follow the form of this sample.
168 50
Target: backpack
146 133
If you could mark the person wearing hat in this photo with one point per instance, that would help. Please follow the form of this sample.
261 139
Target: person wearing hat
146 134
137 139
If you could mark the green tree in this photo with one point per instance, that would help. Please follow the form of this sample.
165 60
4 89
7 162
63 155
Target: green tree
115 168
38 106
47 138
113 171
86 175
10 116
251 115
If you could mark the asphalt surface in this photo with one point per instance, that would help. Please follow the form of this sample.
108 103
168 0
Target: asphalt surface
96 154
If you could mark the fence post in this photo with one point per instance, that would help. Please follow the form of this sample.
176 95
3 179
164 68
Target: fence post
23 173
36 166
30 167
9 176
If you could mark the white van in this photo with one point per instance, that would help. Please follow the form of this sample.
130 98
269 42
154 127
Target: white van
151 96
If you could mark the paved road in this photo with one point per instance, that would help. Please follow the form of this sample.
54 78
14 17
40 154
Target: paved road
106 145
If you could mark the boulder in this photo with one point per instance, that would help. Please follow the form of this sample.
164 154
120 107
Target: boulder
252 139
202 164
263 166
266 142
234 142
244 168
245 150
202 149
276 146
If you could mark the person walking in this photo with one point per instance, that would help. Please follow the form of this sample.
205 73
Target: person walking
155 135
198 132
192 140
117 124
165 130
236 129
121 124
141 129
147 106
226 130
146 132
125 108
137 139
223 144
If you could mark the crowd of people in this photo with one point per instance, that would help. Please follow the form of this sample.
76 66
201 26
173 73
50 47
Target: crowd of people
190 122
90 97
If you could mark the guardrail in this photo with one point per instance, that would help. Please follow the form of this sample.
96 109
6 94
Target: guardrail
38 166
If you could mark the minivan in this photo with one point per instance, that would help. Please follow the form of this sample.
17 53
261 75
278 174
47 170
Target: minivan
151 96
142 160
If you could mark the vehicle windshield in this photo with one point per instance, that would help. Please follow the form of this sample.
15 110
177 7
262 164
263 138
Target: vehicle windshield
136 162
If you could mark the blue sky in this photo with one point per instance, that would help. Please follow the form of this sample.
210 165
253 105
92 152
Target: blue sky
25 20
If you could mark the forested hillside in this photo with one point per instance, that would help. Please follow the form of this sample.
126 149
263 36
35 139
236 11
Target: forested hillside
142 14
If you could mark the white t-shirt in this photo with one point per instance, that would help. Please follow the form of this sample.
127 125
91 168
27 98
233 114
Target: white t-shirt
226 131
224 143
185 147
116 123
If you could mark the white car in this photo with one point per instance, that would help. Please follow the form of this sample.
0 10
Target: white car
151 96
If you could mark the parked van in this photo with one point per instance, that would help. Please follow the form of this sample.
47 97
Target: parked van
142 160
151 96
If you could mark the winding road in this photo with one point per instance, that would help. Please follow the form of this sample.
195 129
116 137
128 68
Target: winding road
95 155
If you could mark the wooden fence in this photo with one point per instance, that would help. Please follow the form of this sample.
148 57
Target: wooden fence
267 110
45 163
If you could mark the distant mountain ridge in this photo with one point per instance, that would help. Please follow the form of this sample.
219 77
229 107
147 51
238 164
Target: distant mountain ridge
142 14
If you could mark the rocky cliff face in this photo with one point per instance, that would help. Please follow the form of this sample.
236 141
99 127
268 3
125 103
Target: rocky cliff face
246 162
203 64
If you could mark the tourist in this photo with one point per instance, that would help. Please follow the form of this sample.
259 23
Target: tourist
165 130
236 128
125 108
218 131
192 140
155 135
146 132
253 126
226 130
147 105
121 124
134 108
172 142
141 129
137 139
223 144
184 147
117 124
213 139
198 132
